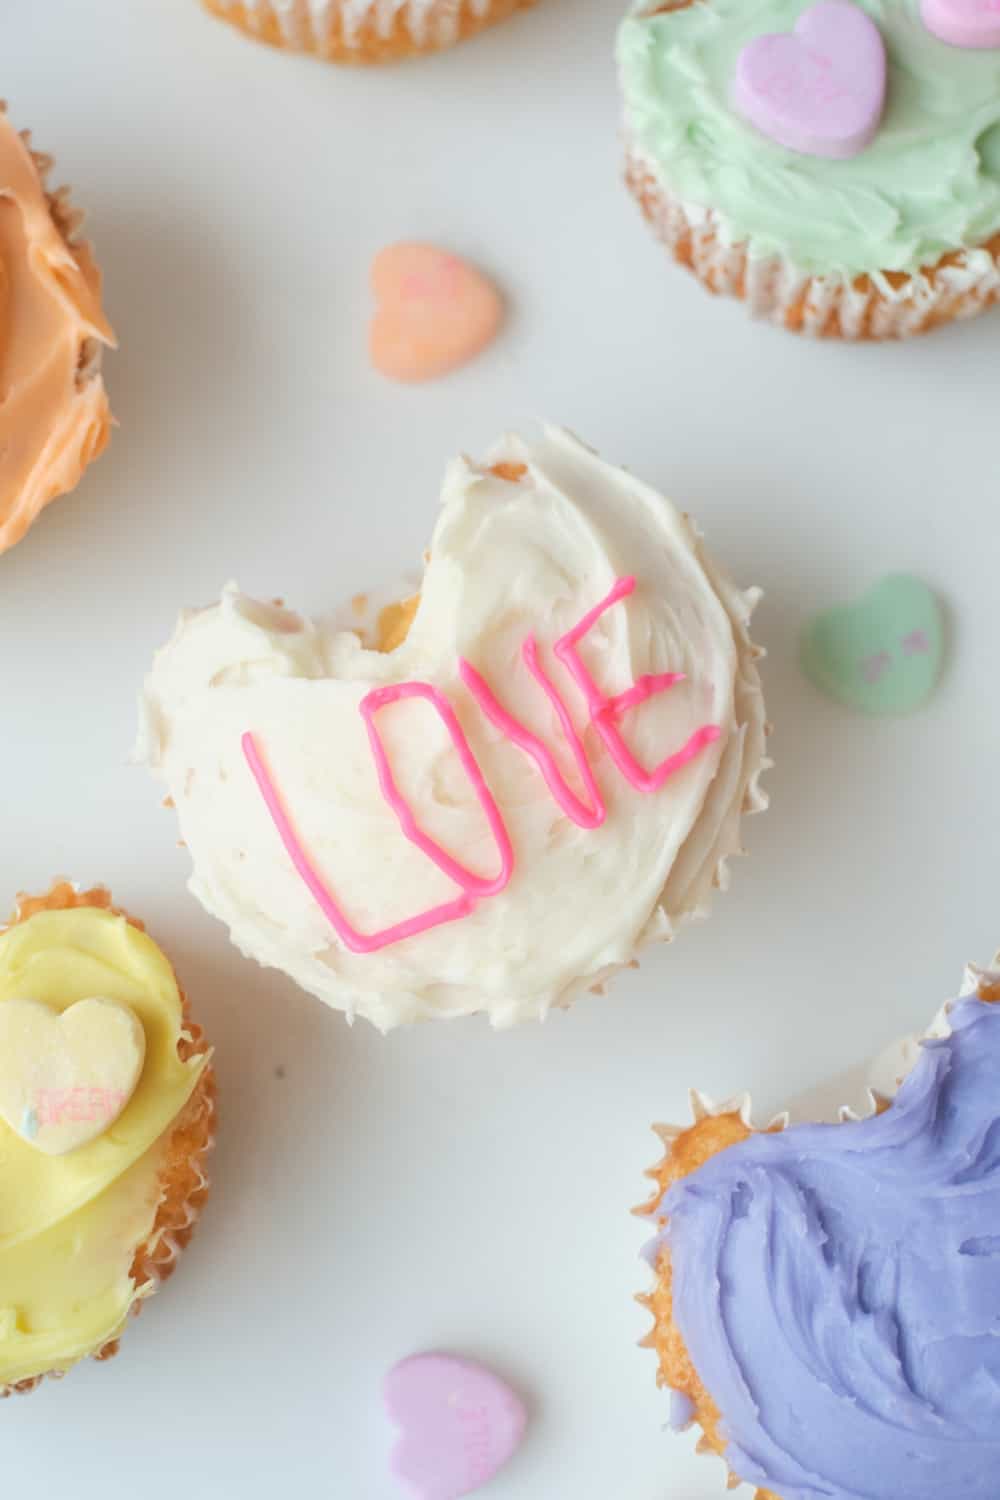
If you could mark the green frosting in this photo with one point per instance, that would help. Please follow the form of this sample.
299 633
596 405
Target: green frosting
927 185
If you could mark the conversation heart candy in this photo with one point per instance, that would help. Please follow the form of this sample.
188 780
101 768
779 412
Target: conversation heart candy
972 24
65 1078
820 89
459 1424
883 654
434 312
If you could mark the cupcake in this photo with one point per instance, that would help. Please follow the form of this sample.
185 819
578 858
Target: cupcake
54 416
106 1117
428 822
837 166
826 1295
364 31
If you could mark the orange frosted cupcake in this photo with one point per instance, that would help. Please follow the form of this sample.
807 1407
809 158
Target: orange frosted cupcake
107 1108
364 31
54 416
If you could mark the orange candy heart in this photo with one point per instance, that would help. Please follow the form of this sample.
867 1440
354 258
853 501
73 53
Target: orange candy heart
435 312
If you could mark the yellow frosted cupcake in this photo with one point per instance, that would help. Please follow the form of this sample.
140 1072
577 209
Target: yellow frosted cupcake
54 415
364 31
106 1116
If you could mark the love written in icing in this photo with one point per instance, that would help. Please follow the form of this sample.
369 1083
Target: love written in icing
604 714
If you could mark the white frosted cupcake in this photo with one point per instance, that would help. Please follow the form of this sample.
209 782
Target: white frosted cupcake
538 768
364 31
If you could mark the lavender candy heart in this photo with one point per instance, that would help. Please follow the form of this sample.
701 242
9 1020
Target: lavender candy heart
819 90
459 1423
972 24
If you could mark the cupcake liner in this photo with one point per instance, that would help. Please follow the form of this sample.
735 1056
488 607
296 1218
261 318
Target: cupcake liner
890 305
184 1181
735 1119
364 31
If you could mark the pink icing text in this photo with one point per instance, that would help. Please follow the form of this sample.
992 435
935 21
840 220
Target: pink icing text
473 887
604 714
52 1106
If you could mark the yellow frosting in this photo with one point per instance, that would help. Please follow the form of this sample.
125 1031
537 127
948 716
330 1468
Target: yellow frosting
70 1225
54 414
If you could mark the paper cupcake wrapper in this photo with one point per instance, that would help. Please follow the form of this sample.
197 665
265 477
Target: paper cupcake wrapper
880 306
882 1079
183 1178
364 30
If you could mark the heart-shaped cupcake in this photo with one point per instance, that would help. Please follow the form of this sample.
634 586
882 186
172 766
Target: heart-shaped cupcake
459 1424
828 1295
819 90
65 1078
433 829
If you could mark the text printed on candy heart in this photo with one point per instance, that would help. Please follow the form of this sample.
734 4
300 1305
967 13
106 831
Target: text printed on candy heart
51 1106
604 714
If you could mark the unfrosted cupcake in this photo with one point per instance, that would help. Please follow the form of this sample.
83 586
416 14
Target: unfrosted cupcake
826 1296
364 31
106 1117
837 166
54 416
430 823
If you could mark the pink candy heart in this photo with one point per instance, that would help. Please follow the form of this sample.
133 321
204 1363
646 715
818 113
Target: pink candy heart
434 312
963 23
821 89
459 1424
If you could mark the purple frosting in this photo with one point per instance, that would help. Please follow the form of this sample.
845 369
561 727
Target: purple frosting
838 1288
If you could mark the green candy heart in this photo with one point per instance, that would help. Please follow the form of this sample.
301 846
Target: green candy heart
883 654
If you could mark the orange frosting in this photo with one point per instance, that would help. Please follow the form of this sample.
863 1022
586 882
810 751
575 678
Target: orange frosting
54 415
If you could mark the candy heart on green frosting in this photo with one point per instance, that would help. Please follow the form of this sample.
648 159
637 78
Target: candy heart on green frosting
926 186
883 654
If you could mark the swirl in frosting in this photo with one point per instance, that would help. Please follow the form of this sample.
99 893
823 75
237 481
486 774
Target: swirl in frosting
837 1288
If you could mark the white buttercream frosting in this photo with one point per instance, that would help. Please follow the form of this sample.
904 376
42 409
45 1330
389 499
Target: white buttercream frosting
507 559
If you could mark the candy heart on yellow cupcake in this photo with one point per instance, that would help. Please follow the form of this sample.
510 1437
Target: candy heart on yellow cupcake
90 1008
65 1079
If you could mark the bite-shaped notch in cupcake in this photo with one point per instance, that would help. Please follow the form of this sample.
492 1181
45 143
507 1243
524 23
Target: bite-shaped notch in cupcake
834 164
827 1296
536 766
106 1118
365 31
54 415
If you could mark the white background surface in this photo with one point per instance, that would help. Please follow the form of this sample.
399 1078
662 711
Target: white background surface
449 1187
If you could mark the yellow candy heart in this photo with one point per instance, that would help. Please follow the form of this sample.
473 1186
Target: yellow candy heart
65 1078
